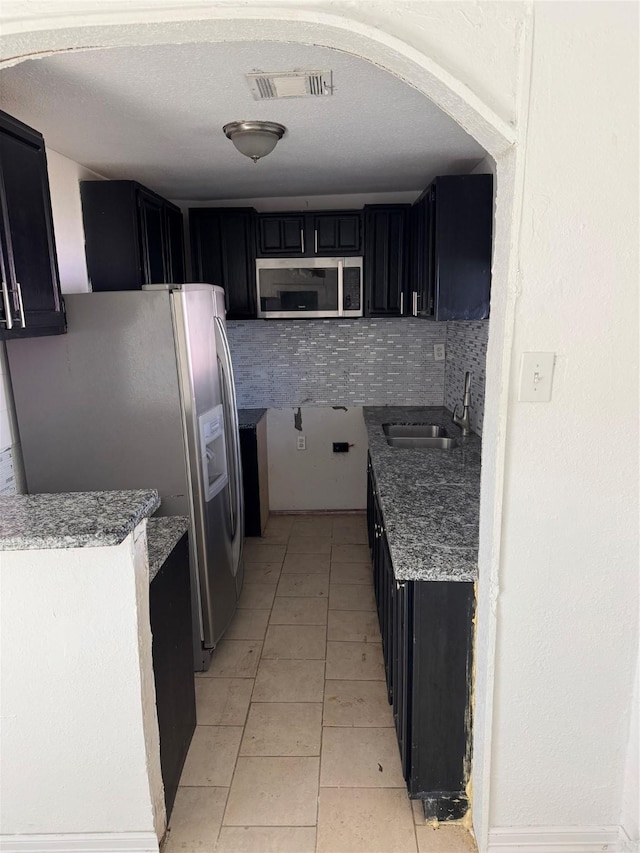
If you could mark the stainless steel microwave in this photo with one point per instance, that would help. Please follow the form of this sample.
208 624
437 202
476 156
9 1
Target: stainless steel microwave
294 288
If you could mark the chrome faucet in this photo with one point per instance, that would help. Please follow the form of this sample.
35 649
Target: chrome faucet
463 420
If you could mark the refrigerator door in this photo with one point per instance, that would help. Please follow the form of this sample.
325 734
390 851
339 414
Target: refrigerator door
230 408
206 426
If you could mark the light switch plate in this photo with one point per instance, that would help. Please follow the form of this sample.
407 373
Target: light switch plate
536 377
438 352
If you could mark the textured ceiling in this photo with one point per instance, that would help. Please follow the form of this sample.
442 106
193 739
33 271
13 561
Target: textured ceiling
155 114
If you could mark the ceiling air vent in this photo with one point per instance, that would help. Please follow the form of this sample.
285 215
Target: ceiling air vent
290 84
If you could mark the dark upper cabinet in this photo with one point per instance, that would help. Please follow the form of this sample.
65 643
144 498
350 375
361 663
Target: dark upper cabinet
132 236
451 234
222 252
337 233
175 243
281 235
385 258
317 234
31 303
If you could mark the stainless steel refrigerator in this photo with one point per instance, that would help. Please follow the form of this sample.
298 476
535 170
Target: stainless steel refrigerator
139 394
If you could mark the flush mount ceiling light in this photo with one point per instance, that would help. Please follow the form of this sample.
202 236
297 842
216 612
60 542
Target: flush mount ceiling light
254 139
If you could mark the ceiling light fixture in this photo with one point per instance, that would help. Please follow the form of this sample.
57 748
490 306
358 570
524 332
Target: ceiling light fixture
254 139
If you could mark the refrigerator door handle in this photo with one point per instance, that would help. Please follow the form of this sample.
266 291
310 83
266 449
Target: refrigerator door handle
237 464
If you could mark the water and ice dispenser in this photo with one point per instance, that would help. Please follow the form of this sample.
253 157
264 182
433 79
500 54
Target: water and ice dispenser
213 451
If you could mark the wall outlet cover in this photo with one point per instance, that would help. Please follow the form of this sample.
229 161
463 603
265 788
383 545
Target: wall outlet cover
301 442
438 352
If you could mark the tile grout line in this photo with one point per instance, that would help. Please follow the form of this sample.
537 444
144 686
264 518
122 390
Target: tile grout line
246 717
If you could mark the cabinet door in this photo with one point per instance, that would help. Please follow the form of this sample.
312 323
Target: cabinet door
402 663
29 263
282 235
171 626
222 251
153 241
384 260
440 716
371 497
337 233
174 245
421 282
463 207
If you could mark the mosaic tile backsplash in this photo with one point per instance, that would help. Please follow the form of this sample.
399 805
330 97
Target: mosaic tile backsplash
466 350
357 362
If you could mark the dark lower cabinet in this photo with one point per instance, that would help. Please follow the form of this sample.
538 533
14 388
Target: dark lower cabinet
170 613
133 236
255 478
30 303
427 642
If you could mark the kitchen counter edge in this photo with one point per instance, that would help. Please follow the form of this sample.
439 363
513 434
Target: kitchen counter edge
163 534
72 519
430 499
250 418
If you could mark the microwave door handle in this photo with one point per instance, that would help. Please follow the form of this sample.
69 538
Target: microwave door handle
340 288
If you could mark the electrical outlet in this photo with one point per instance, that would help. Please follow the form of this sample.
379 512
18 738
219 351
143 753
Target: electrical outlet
438 352
302 442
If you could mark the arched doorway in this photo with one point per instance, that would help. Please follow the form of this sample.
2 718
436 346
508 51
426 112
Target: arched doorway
69 29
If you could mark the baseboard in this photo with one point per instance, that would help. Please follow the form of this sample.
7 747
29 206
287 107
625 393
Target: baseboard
626 845
89 842
556 839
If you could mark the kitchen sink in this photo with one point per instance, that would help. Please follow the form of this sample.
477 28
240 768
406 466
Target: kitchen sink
413 430
418 435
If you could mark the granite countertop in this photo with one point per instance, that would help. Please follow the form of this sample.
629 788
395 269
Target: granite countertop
249 418
72 519
430 499
163 534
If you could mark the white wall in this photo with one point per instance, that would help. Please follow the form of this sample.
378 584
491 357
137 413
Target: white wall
568 606
317 478
79 729
64 183
629 819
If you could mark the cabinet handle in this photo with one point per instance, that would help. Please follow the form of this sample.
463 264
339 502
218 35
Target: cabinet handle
415 303
302 239
7 306
315 240
402 303
23 321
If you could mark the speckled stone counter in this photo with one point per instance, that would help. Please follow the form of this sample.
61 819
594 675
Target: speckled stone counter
249 418
72 519
163 533
430 499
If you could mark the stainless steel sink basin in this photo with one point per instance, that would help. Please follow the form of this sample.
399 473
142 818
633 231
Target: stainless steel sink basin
413 430
418 435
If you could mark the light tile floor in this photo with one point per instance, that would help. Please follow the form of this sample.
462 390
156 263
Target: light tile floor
295 750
